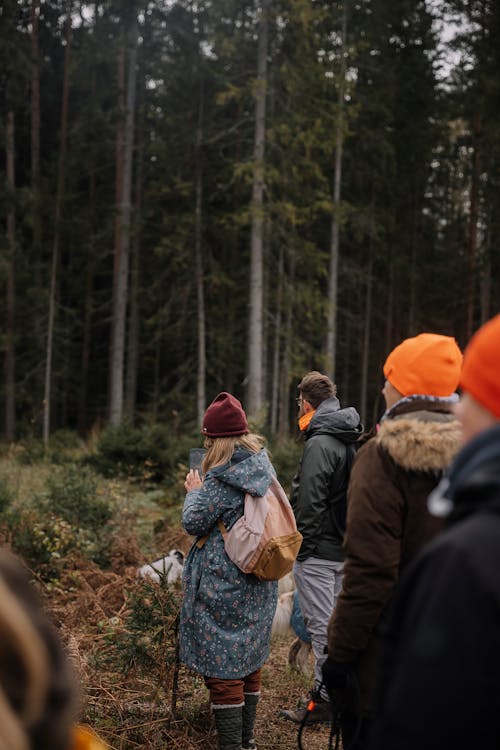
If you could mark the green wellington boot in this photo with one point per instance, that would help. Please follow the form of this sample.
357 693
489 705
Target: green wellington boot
249 713
228 721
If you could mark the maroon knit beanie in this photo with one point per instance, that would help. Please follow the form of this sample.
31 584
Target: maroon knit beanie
224 417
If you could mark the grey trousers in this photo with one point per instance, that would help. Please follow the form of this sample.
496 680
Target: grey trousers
318 585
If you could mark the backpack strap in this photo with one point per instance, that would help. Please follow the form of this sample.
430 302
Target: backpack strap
200 543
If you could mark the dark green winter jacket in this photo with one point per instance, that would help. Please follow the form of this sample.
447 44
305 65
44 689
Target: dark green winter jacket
318 489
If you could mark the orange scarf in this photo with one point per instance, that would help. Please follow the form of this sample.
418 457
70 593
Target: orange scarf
305 419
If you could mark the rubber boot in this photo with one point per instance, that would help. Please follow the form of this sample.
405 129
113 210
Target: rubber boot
249 713
228 721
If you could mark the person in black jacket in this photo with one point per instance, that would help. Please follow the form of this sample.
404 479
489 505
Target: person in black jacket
439 676
318 499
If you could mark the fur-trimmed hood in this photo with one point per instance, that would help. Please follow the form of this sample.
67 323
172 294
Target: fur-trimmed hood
421 440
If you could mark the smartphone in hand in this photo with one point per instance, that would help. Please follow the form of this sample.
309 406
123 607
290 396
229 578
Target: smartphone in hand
195 458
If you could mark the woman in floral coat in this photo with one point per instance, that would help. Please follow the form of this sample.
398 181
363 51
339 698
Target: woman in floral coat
226 615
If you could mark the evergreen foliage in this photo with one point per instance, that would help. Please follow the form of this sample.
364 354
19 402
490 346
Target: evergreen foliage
418 217
72 494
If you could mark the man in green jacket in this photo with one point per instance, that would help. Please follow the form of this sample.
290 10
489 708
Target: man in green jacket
319 502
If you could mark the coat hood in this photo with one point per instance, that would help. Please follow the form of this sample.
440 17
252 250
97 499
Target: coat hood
247 472
421 436
330 419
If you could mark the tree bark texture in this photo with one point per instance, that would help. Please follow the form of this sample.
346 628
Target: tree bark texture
57 228
331 335
255 324
36 260
276 344
365 357
89 301
121 267
133 345
10 356
284 401
473 222
199 265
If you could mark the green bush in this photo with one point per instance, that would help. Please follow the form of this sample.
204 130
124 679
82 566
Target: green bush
30 450
42 540
5 496
70 516
65 440
72 494
146 639
64 446
145 452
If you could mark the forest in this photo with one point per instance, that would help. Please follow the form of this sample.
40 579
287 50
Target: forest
222 195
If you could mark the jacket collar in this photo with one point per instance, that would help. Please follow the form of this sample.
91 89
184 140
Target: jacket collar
421 440
416 403
473 479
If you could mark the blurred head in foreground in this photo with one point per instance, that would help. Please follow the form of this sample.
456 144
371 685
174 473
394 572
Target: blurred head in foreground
479 407
37 687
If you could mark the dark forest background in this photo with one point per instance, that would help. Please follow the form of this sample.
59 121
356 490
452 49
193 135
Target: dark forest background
198 196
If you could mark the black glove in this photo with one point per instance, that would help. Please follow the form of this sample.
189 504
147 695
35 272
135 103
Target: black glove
338 675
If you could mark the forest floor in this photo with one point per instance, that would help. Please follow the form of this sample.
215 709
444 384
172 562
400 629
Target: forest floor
120 631
132 707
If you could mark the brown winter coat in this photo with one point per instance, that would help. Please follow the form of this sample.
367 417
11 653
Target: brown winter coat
388 523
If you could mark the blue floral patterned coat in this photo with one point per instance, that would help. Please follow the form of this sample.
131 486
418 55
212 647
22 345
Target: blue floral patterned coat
226 615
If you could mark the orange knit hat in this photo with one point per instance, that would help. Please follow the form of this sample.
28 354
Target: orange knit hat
481 372
428 364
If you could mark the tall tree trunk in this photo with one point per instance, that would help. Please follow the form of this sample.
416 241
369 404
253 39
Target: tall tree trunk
473 222
119 152
366 334
10 357
200 296
37 261
135 280
389 315
276 345
284 402
412 312
35 132
119 158
35 99
486 283
331 326
255 324
88 308
347 379
57 229
156 380
88 302
120 285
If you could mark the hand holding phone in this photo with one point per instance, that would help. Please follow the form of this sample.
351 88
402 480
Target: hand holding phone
193 480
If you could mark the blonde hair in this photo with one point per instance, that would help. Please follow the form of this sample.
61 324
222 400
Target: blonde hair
36 684
220 449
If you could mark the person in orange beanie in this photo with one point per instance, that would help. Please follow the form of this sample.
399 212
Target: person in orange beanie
387 519
441 652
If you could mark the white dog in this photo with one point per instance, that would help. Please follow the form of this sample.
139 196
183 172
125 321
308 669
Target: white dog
300 651
169 566
281 623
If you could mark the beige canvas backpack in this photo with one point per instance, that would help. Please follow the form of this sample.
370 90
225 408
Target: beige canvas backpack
265 540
